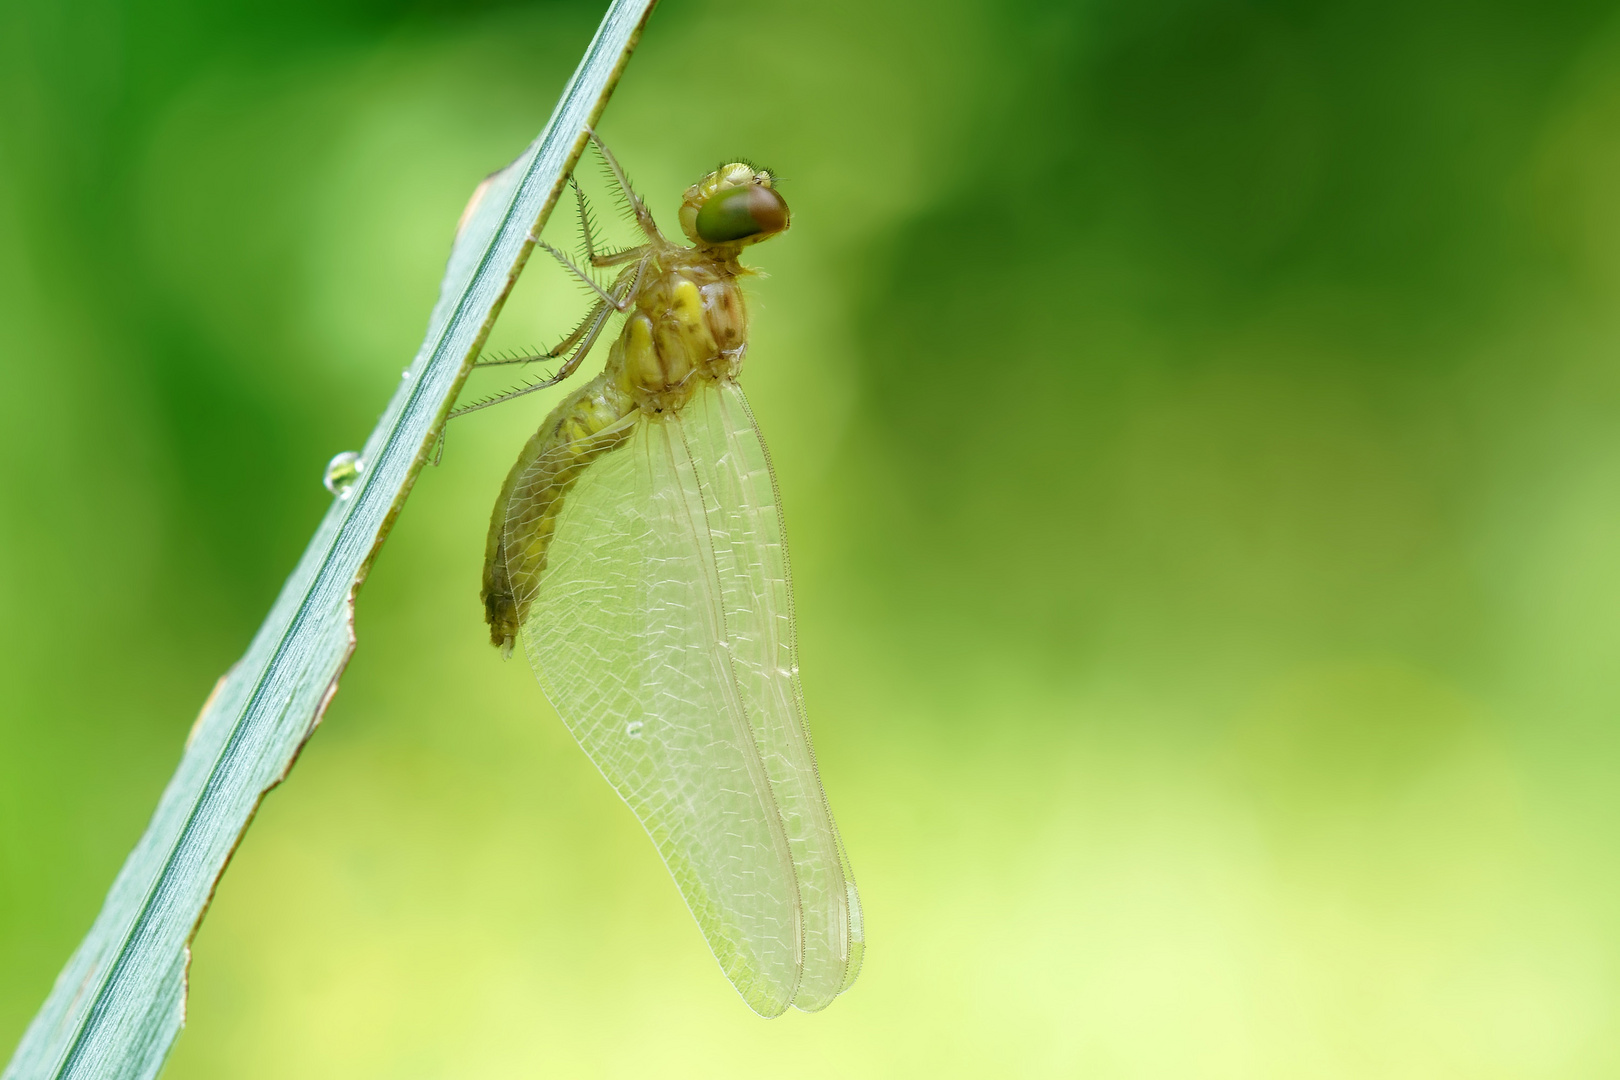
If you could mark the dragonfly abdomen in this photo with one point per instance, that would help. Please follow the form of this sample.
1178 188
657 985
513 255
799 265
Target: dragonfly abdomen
582 428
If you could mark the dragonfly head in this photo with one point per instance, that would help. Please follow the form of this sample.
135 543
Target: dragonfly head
732 207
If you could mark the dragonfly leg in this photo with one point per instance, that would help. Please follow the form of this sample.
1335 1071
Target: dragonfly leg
587 220
638 209
555 351
587 227
619 304
619 258
592 329
583 337
588 231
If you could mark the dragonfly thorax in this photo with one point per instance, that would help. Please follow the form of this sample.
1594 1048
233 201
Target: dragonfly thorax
689 326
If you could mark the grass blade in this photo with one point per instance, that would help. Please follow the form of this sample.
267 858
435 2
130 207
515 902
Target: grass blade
119 1003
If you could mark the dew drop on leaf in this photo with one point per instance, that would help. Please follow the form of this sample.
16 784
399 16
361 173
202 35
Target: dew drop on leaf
341 473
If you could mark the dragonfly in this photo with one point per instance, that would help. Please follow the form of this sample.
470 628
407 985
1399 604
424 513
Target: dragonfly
637 554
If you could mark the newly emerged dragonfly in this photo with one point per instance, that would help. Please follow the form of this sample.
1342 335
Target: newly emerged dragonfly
637 553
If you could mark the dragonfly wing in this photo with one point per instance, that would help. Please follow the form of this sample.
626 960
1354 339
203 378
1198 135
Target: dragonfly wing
661 630
745 524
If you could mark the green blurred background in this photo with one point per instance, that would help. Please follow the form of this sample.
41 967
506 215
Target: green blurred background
1199 430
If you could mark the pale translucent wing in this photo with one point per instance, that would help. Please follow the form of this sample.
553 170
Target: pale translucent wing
622 633
745 526
661 630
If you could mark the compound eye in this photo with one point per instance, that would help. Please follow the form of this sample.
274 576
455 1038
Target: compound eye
741 212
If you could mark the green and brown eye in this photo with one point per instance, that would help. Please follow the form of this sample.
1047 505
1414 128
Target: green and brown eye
741 212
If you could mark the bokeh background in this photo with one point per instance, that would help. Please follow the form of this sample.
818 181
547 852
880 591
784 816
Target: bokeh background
1199 428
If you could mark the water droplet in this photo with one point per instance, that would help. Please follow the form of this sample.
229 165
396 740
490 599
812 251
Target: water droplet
406 374
633 729
341 473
